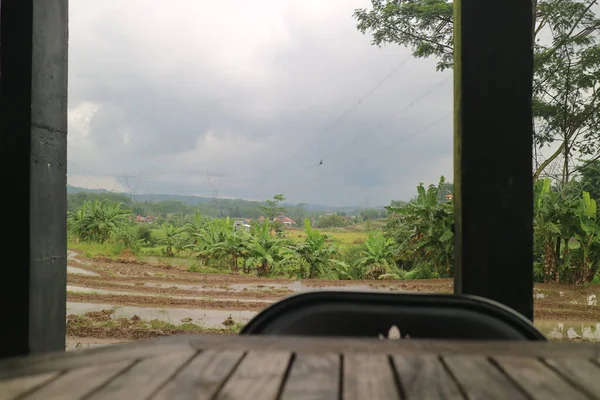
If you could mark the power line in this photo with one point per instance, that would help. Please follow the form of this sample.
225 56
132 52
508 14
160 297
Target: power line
346 112
394 143
85 176
390 145
365 134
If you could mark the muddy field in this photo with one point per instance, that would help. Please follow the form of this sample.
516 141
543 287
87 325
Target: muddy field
122 299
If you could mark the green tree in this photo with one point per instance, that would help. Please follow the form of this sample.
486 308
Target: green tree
590 178
377 257
423 231
97 220
265 250
566 87
170 237
331 221
273 208
319 255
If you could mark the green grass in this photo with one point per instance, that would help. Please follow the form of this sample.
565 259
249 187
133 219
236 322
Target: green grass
92 250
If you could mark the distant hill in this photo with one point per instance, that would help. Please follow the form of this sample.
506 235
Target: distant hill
194 200
73 189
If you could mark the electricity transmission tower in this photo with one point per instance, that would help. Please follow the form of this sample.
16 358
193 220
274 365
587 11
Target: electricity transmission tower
215 181
132 183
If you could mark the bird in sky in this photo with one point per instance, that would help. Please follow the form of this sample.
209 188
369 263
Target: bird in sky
321 163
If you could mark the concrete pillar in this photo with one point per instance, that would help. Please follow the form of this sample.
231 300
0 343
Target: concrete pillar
33 166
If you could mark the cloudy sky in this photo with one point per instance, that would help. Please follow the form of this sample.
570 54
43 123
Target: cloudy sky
256 91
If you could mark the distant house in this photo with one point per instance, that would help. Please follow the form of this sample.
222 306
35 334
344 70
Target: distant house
449 196
285 221
239 225
148 219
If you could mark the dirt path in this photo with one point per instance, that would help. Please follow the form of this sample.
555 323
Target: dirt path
157 291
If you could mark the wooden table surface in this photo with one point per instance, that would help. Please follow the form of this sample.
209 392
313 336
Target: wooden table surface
257 368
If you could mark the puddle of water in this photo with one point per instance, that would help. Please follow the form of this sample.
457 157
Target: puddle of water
81 289
299 287
207 318
81 271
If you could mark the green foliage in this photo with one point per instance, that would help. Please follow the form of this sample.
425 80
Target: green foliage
265 250
170 237
567 234
422 230
590 178
566 87
272 208
332 221
97 220
377 257
319 255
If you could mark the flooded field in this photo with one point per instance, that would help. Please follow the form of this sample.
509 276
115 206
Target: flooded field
122 299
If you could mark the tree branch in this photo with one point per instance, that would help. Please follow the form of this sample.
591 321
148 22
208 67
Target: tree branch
417 37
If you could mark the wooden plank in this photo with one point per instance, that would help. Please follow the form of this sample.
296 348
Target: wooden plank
153 347
77 383
345 345
144 378
202 377
480 379
313 376
259 376
493 75
582 373
539 381
425 377
77 359
10 389
369 376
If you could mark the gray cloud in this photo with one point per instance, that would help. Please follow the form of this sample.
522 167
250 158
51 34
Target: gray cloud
172 91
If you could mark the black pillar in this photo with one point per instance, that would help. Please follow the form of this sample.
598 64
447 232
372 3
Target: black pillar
493 152
33 146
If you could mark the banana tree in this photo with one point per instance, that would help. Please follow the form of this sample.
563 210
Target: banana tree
587 235
377 256
169 237
320 255
265 250
423 230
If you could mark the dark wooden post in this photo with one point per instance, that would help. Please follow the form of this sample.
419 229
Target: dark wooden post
493 152
33 146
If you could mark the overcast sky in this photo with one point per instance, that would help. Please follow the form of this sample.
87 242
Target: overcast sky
259 91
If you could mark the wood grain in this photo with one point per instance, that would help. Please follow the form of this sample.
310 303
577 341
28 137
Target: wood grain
480 379
313 376
143 378
369 376
258 376
539 381
9 389
435 347
82 358
425 377
79 382
583 373
202 377
153 347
